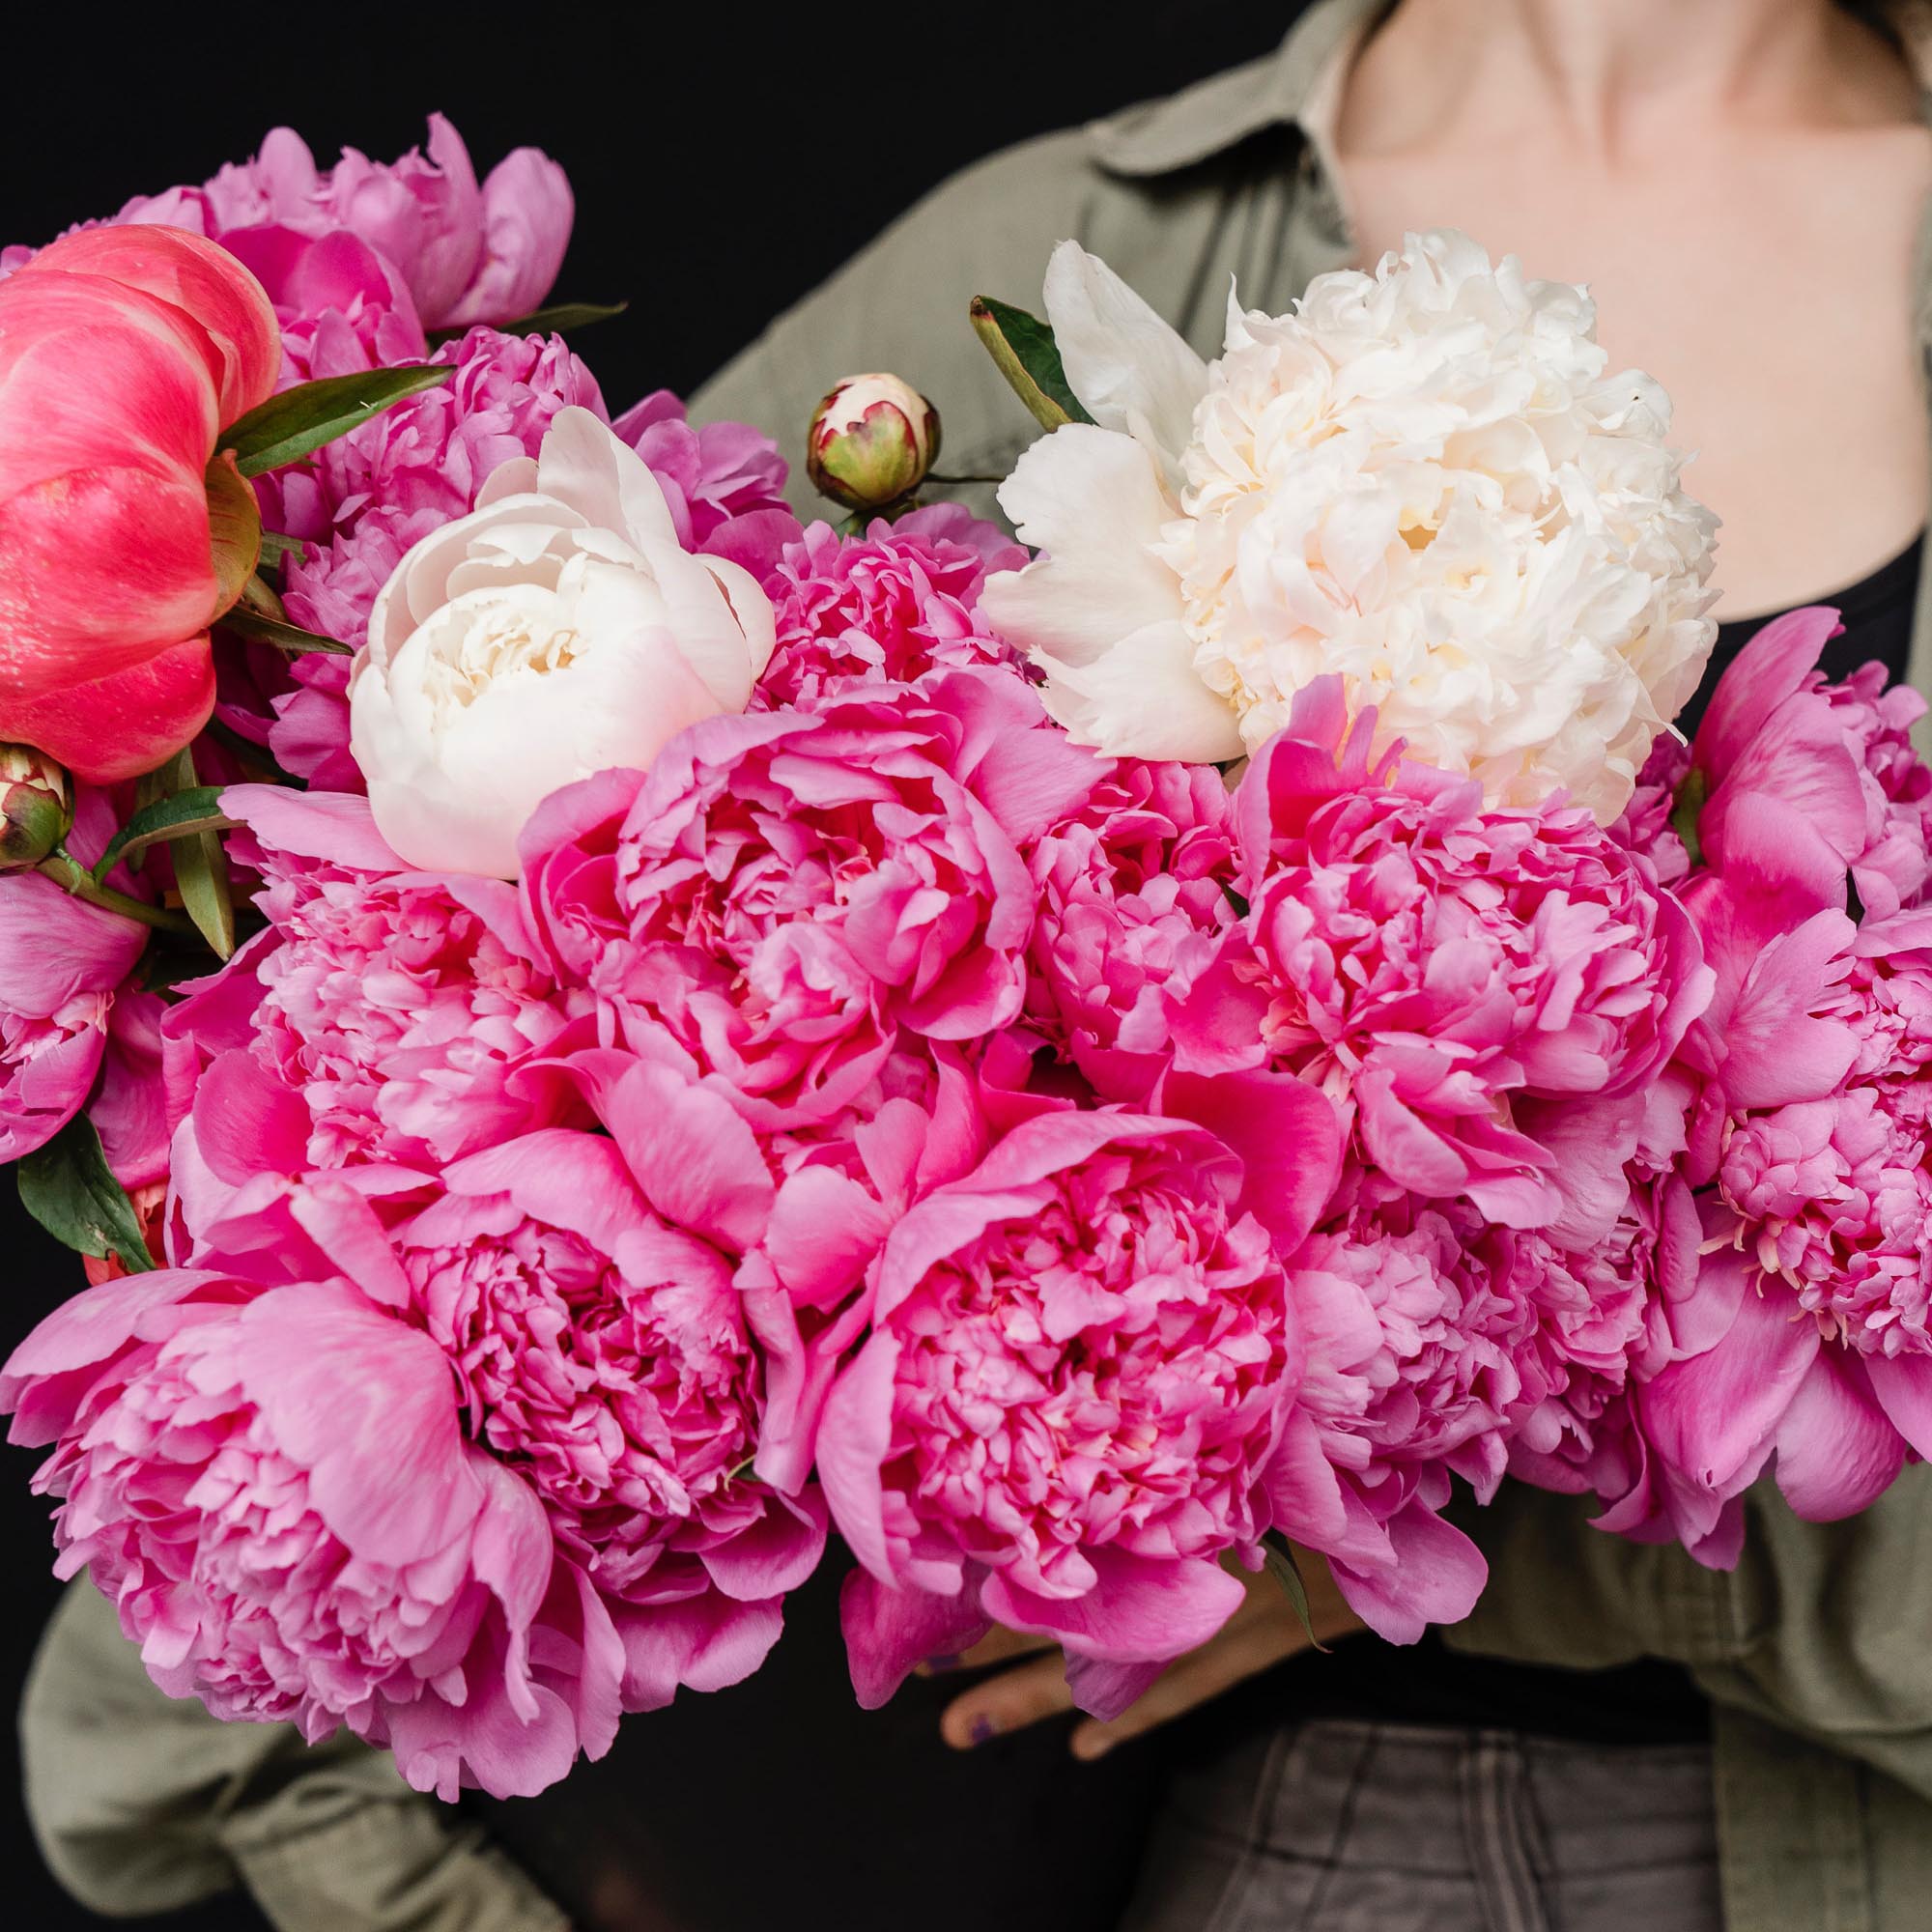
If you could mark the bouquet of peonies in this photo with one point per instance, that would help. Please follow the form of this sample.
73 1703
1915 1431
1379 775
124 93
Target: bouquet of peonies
589 1035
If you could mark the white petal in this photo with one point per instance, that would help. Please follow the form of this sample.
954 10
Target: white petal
584 463
702 617
1093 501
1131 369
1141 700
752 607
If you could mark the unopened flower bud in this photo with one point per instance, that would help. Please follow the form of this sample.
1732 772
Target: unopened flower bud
871 441
36 807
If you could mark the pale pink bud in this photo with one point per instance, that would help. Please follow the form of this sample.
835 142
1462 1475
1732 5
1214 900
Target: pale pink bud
871 441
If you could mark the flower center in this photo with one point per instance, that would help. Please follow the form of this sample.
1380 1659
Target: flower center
502 641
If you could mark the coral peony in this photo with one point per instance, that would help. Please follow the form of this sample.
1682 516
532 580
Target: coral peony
274 1490
1421 479
123 353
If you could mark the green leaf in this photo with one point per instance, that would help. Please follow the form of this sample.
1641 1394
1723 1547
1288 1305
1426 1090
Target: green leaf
559 319
201 868
1687 808
234 529
276 631
196 810
304 418
68 1188
275 547
1286 1572
1234 899
1023 348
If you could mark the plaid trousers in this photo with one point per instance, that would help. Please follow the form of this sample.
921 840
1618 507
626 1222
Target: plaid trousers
1336 1826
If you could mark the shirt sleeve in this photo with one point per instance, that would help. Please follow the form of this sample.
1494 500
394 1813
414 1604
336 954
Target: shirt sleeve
142 1802
1814 1632
900 306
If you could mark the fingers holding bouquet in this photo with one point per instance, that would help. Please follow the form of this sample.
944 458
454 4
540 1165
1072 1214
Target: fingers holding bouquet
1025 1681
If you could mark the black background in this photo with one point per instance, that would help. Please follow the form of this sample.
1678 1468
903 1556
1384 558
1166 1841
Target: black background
723 163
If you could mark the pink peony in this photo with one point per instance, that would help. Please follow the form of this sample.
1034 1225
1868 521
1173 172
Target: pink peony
1803 1346
383 1016
1476 987
1420 1325
1604 1325
1646 828
786 892
1081 1353
1833 767
889 606
274 1490
1133 902
342 306
582 1285
723 483
466 254
63 966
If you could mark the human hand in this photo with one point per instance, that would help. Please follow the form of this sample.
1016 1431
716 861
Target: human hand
1262 1632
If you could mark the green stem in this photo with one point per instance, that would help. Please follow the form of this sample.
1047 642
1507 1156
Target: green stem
74 878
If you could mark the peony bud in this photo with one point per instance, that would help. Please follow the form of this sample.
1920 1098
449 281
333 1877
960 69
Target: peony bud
36 807
871 441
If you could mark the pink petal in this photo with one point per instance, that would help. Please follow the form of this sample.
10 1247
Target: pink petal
1837 1449
889 1632
1139 1609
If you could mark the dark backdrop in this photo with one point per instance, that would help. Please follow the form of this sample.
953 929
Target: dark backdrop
723 163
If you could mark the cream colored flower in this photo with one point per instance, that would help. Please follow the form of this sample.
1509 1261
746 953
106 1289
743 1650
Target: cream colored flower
558 631
1421 479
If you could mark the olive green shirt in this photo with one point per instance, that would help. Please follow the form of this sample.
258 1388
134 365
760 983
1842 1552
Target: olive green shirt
1814 1650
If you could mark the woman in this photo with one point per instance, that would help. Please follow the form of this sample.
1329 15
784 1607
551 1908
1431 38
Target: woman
1744 183
1616 1734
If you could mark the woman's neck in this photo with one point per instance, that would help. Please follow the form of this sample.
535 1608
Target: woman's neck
1612 78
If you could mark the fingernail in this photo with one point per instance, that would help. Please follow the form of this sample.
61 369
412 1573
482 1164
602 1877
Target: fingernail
983 1727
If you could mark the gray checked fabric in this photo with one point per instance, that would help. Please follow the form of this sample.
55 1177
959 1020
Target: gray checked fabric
1347 1826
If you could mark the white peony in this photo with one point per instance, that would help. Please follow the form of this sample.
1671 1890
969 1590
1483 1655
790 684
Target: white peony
1420 478
556 631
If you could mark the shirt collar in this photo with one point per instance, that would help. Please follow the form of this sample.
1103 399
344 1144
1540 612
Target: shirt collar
1300 85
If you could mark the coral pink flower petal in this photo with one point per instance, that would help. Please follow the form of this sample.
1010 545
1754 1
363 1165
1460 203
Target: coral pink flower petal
226 307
